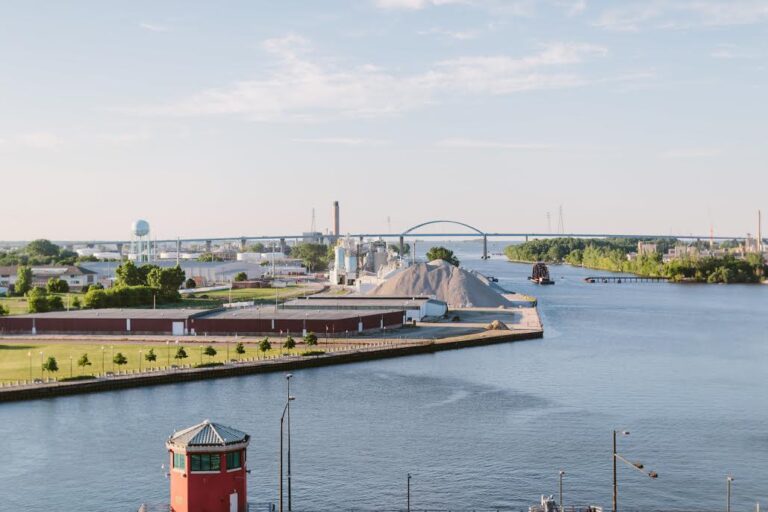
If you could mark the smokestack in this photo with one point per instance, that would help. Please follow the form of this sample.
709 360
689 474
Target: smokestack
336 230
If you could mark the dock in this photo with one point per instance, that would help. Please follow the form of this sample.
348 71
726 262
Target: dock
625 279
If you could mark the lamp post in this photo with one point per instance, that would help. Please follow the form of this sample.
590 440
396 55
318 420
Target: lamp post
41 365
562 474
70 366
288 381
168 356
113 358
634 465
29 354
728 482
102 360
140 361
282 422
408 494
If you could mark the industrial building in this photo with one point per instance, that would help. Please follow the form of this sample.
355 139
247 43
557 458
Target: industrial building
204 273
181 322
76 276
416 308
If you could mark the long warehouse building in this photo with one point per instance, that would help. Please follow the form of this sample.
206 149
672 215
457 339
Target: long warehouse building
182 322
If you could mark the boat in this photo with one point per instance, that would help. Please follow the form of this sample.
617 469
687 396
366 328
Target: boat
540 274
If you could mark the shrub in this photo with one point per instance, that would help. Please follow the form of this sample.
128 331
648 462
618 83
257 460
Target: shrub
313 353
289 343
209 365
310 339
77 377
265 345
56 285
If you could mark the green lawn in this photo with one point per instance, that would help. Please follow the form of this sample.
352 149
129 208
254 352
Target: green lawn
18 305
219 297
15 358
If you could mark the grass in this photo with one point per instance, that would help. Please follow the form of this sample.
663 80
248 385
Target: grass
18 305
219 297
15 361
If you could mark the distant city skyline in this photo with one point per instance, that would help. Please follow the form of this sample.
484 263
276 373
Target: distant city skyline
211 120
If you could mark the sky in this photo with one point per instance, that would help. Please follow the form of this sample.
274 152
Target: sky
241 117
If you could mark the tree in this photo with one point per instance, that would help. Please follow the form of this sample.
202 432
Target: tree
55 303
50 365
441 253
396 248
209 351
207 257
265 345
290 343
180 354
241 276
257 247
76 303
37 301
314 256
120 359
310 339
95 298
83 361
42 248
144 271
23 282
167 281
190 283
240 348
150 356
127 274
56 285
3 311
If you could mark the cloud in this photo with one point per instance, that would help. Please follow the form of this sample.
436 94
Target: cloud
492 144
732 52
694 152
344 141
414 5
301 86
152 27
460 35
682 14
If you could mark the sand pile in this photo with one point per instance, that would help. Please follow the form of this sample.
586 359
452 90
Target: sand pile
451 284
497 325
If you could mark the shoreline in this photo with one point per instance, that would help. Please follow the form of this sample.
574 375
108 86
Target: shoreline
282 364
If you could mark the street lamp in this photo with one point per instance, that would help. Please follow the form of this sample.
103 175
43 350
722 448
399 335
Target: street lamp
102 360
728 481
70 366
29 354
113 358
168 358
562 474
408 494
140 361
634 465
288 403
41 365
282 422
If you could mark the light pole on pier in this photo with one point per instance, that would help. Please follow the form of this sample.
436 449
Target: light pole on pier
634 465
728 482
562 474
282 422
288 403
408 494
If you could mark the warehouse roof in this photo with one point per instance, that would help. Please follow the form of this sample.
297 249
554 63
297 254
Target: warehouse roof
269 312
48 270
112 313
359 303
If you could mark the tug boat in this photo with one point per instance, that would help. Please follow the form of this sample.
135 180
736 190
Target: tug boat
540 274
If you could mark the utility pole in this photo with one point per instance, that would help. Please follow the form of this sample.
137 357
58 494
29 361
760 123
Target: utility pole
408 494
288 380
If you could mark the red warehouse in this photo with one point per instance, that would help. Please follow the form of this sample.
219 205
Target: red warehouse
208 469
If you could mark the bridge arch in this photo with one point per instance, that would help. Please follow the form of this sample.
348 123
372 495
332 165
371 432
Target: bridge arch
414 228
443 221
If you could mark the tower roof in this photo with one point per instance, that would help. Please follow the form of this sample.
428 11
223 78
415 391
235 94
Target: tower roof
208 434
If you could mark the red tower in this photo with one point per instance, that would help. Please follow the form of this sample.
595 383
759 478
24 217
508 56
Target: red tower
208 469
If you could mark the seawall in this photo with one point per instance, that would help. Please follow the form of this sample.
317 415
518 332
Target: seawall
284 364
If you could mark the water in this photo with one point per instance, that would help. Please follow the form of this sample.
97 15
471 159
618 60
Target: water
682 367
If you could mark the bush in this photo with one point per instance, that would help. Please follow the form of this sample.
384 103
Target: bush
3 311
310 339
78 377
241 276
37 301
208 365
289 343
120 297
313 353
55 303
56 285
190 283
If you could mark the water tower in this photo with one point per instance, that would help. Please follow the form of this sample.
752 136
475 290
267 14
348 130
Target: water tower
141 246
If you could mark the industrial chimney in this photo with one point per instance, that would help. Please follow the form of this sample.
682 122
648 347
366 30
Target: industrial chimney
336 230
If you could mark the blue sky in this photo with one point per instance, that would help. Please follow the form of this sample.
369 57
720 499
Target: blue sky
240 118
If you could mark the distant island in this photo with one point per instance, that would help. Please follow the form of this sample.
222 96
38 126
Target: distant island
726 262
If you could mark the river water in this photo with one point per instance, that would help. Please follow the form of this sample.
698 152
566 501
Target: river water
682 367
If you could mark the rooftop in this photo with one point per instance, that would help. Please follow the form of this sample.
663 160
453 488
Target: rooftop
176 314
268 312
359 302
208 434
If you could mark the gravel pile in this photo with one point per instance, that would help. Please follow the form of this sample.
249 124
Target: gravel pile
448 283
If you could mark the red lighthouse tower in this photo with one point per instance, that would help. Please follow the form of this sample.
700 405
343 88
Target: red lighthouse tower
208 469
